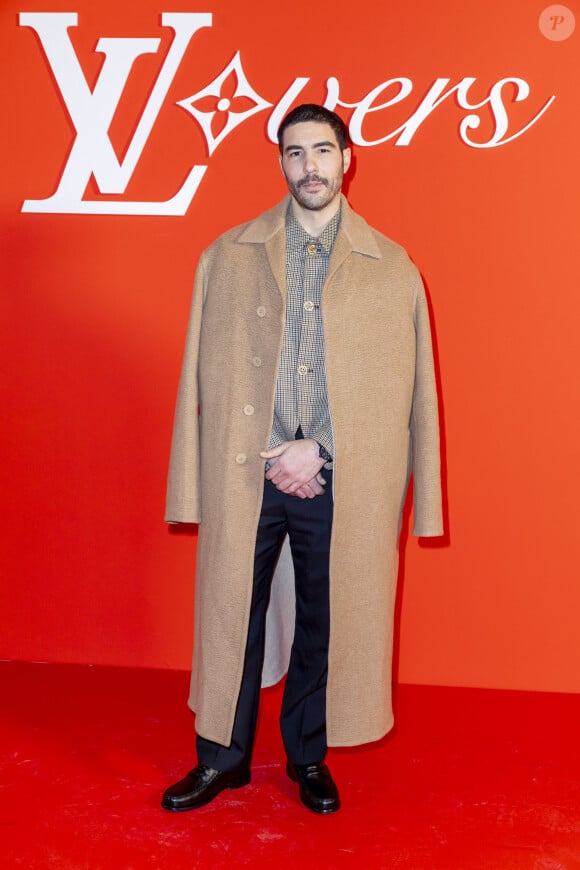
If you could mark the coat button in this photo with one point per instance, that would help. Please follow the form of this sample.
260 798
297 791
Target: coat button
309 306
261 311
257 362
302 370
248 410
241 458
311 248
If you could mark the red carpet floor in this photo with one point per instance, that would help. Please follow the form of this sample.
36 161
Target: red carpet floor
469 779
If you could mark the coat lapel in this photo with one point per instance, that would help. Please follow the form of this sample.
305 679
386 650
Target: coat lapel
269 229
276 251
354 237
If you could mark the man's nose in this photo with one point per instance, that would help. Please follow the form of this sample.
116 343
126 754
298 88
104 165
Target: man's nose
310 164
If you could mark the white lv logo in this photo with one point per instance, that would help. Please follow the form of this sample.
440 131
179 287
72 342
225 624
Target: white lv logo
92 112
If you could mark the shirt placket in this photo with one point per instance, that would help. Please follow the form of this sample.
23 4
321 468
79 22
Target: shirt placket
307 374
294 326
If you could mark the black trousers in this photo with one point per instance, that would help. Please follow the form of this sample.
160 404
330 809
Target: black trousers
308 523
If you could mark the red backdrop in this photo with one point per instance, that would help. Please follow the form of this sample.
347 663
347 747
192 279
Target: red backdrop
94 306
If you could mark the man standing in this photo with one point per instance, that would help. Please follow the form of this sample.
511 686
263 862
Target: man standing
306 399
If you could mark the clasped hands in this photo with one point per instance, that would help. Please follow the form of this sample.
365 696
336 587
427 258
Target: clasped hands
295 468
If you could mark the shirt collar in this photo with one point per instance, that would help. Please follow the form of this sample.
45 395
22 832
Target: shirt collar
297 237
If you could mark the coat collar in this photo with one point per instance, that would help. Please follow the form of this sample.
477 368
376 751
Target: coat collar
353 228
269 229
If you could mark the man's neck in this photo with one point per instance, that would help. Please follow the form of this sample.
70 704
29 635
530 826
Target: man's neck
314 222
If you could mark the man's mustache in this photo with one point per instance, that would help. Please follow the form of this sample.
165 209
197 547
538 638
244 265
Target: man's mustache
310 178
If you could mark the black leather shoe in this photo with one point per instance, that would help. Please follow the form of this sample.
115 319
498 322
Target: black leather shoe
200 786
318 791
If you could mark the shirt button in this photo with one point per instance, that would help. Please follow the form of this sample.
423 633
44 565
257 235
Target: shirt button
257 362
261 312
311 248
302 370
241 458
309 306
248 410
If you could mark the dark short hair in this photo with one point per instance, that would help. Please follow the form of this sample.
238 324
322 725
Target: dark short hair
314 112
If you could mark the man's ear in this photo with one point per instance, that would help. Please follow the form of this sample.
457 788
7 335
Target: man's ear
346 158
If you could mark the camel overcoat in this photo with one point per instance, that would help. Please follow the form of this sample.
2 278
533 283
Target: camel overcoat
383 406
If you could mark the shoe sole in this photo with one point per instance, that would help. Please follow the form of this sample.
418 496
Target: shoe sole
238 782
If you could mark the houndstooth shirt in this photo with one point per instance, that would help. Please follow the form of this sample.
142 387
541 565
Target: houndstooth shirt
301 397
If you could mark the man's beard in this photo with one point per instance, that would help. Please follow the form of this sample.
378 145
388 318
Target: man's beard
315 201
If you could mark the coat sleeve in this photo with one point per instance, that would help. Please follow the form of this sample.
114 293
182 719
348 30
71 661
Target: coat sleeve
427 509
183 483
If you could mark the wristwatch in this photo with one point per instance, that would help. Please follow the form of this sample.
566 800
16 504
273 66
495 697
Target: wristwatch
323 453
